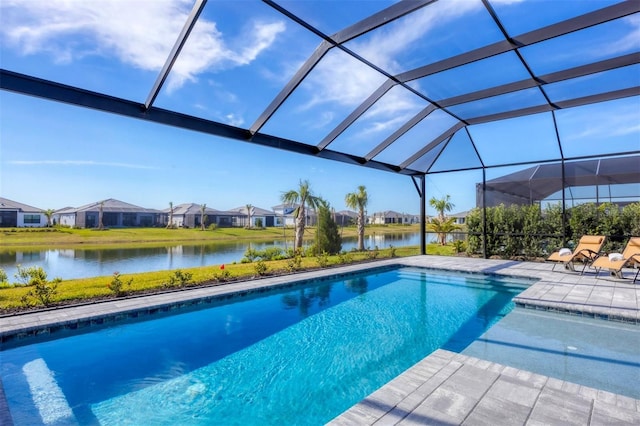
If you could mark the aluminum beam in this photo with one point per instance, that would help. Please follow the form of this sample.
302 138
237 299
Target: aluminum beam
581 71
27 85
175 51
351 118
401 131
606 14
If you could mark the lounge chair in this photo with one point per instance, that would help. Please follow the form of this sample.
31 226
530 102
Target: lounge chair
587 251
614 262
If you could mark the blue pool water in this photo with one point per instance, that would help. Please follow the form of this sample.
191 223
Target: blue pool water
301 355
587 351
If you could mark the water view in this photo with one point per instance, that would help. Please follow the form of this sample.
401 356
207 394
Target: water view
69 263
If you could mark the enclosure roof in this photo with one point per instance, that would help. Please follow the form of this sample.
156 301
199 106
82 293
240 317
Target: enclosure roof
539 182
411 87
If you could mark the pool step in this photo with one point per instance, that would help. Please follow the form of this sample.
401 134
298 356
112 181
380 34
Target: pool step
47 395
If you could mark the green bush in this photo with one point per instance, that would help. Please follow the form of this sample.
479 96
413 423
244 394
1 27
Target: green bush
323 259
272 253
43 290
327 235
117 285
373 254
269 253
249 256
344 258
222 276
294 263
459 246
179 279
630 219
533 232
261 268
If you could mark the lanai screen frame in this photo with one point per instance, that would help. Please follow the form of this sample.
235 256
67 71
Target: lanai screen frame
55 91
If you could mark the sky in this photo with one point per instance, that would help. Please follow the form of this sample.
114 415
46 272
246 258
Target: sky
238 58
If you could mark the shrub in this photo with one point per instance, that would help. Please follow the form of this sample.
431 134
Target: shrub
323 259
327 234
3 276
294 263
43 289
261 268
392 251
222 276
117 285
30 276
630 218
271 253
527 230
311 250
459 246
344 258
249 256
373 254
212 227
179 279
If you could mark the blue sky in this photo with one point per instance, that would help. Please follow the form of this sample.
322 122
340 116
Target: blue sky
76 156
240 55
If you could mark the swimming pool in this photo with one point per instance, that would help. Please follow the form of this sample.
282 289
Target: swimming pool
587 351
300 355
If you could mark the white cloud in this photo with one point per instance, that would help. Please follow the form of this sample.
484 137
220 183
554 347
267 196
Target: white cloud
615 121
234 120
79 163
631 41
139 33
339 79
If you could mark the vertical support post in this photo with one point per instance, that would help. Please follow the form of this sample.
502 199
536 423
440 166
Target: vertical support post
423 216
564 206
484 212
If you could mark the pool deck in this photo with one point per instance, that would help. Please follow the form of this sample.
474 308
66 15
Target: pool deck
444 388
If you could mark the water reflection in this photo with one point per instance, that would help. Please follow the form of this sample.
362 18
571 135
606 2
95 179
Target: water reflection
82 263
304 298
357 285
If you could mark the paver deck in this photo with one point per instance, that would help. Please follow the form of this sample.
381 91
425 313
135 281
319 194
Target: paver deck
444 388
452 389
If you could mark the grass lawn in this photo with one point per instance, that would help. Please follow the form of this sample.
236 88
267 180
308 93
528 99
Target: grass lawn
79 290
59 237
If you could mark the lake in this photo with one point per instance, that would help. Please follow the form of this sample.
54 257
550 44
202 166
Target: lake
69 263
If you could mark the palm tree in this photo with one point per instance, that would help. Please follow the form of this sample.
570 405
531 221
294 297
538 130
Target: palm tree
441 205
202 209
100 215
249 208
49 213
170 223
303 197
442 228
441 225
359 200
